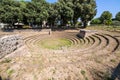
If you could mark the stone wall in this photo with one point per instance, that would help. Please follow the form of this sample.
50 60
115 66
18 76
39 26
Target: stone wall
9 43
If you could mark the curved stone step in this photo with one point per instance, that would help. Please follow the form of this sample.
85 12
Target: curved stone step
30 40
86 45
104 41
91 46
114 43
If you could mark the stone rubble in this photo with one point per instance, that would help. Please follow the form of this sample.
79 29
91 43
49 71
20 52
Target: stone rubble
10 43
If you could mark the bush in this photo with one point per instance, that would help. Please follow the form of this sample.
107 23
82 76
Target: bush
116 23
96 21
26 27
78 24
118 16
82 72
107 22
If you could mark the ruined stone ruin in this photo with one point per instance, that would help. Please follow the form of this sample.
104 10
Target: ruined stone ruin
9 43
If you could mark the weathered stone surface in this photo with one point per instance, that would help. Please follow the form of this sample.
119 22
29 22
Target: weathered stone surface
9 43
84 33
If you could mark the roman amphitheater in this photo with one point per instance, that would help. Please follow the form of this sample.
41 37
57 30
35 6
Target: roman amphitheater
59 55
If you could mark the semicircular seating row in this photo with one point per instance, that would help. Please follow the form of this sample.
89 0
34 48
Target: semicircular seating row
89 44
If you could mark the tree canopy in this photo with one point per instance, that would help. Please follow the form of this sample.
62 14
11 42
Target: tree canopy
106 17
37 11
117 17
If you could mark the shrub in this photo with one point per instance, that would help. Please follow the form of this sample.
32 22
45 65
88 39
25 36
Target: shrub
78 24
82 72
107 22
10 72
118 16
116 23
96 21
6 60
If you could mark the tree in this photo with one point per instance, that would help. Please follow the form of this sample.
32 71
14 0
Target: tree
117 17
37 11
88 11
10 11
106 17
53 14
38 0
65 11
77 7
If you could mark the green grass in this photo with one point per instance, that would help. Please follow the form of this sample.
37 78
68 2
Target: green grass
82 72
6 60
55 44
10 72
112 60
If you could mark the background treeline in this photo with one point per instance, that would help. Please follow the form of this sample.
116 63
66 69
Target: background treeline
36 11
106 19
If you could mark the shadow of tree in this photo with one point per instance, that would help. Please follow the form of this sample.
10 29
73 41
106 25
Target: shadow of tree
116 73
0 78
7 30
4 79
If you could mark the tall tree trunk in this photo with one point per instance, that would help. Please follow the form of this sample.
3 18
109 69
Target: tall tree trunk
74 21
84 24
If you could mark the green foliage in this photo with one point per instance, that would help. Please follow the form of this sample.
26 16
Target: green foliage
78 24
113 60
105 27
10 72
19 11
96 21
85 10
65 11
82 72
6 60
116 23
117 17
88 11
53 14
86 78
10 11
107 22
37 11
106 17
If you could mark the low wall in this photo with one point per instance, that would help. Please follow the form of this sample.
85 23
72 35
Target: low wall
9 43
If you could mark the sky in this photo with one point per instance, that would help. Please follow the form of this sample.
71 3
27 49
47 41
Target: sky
108 5
103 5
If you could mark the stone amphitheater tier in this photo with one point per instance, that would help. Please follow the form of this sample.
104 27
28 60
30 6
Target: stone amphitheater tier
84 43
83 54
9 43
